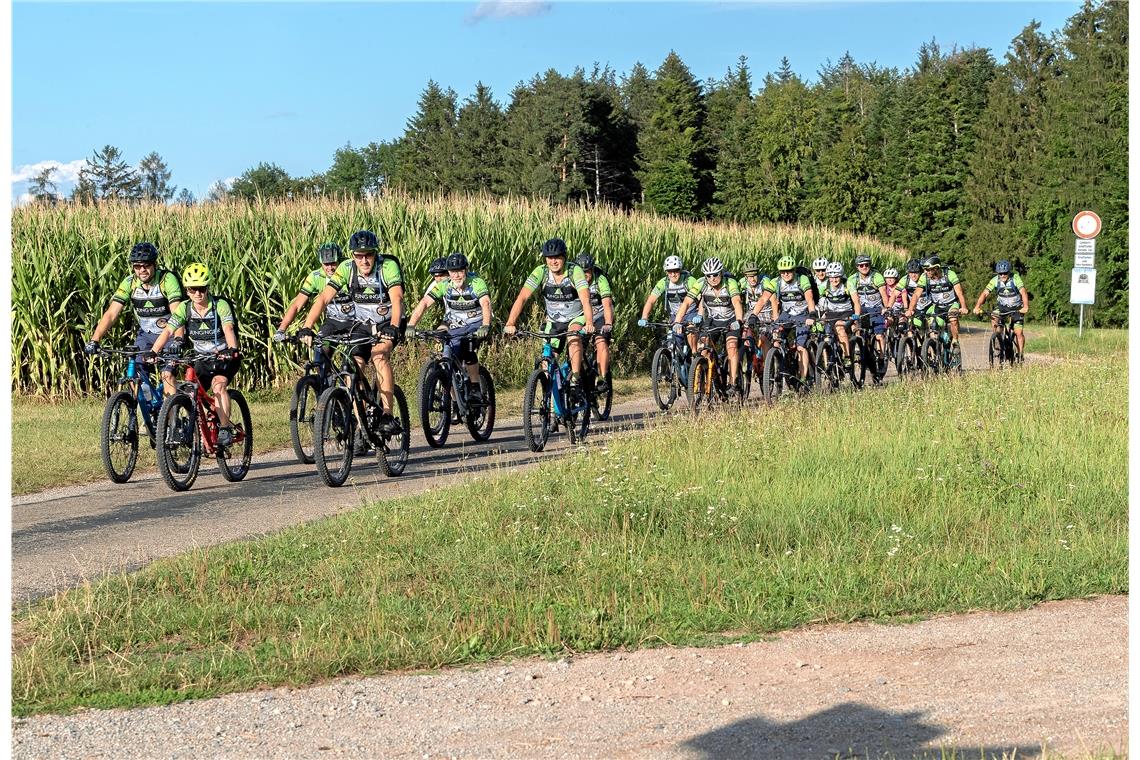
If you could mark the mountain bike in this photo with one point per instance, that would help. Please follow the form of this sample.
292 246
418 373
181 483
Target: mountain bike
907 354
188 428
828 358
1003 343
119 431
781 365
708 380
669 369
866 359
549 401
939 352
303 402
351 403
600 405
444 397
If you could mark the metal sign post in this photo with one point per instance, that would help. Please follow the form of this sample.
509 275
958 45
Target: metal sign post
1082 289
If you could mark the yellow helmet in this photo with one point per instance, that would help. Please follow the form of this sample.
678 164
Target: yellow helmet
196 276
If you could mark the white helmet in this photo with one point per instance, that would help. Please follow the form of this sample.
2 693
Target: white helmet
820 263
672 262
712 265
892 272
835 269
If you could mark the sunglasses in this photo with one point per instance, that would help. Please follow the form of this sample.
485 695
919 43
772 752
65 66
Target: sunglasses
363 254
142 266
194 289
862 265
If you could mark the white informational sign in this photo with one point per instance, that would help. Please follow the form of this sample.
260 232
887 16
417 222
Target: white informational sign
1086 254
1083 286
1086 225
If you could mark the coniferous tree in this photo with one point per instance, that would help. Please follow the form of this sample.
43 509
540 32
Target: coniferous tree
154 179
480 143
42 189
428 159
671 145
781 136
108 177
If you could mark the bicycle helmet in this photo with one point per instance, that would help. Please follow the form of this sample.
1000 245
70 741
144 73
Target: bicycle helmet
820 263
554 248
144 253
786 264
712 266
835 269
931 261
455 261
892 272
196 276
586 261
862 258
913 266
1003 267
329 253
672 262
437 266
750 267
363 240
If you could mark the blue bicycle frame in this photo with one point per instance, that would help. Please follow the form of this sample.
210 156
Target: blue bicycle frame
147 396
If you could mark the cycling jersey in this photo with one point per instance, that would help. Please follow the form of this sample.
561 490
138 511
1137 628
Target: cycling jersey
717 300
562 301
204 330
461 306
837 301
369 294
151 301
791 294
867 289
1008 293
752 294
675 294
941 290
894 297
338 309
911 286
599 289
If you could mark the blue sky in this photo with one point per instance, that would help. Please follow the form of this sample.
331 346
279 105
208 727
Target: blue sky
217 87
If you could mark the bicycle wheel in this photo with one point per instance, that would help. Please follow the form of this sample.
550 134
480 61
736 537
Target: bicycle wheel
481 420
773 382
302 411
179 449
233 460
931 356
435 405
119 437
953 357
744 375
858 363
392 453
824 362
577 414
334 436
664 385
604 403
536 421
996 350
905 357
700 384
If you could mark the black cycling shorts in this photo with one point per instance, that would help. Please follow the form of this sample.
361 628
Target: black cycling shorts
208 369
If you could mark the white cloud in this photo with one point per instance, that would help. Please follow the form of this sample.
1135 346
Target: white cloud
64 172
497 9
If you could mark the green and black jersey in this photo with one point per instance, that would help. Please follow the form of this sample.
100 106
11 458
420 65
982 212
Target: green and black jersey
1008 292
717 300
460 305
368 293
340 308
150 301
204 330
793 302
561 298
675 294
941 289
599 290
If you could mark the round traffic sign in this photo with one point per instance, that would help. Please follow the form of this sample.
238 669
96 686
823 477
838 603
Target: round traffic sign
1086 224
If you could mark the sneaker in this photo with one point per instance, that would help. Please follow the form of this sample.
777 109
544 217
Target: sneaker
225 436
474 394
389 425
362 447
602 386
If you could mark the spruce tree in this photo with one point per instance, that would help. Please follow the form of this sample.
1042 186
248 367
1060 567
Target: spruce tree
480 142
671 146
154 179
428 157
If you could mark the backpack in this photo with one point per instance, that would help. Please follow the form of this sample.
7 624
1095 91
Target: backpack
805 272
214 305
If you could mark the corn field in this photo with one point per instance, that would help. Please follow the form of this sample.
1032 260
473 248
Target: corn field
67 260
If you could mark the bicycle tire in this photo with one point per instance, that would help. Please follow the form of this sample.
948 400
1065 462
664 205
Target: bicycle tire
996 350
700 391
177 421
435 404
302 415
334 436
230 472
480 425
393 459
824 361
536 407
931 356
905 357
604 403
773 381
578 414
119 436
661 373
858 362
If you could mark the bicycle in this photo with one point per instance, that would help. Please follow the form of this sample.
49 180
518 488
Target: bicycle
907 355
549 401
669 369
188 428
600 406
119 431
303 403
777 374
829 356
1003 343
708 380
351 401
443 395
939 352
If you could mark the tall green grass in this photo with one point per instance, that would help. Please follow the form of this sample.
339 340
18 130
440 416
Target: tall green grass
921 498
68 259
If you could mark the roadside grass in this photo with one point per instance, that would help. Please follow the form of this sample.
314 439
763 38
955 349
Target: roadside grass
729 528
56 443
1063 341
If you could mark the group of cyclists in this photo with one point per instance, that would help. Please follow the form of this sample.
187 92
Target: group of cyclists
363 297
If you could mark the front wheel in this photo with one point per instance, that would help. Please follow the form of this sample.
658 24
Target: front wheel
481 420
904 357
232 461
773 382
700 384
334 436
604 402
435 404
825 369
179 448
392 453
119 437
577 414
664 380
931 356
536 422
858 362
302 413
996 351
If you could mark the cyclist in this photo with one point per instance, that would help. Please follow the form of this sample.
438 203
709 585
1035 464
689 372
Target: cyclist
567 298
338 313
211 325
153 293
375 285
602 304
896 293
871 289
437 269
910 285
791 293
675 285
944 289
819 271
719 298
838 303
752 292
1011 294
466 314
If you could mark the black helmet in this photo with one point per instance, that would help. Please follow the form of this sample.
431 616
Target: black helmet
554 248
586 261
1003 267
862 258
363 241
437 266
455 261
329 253
931 261
144 253
913 266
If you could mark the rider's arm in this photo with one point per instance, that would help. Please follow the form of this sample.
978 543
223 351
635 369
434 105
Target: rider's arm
578 277
808 296
607 296
109 316
295 306
983 295
915 297
485 305
648 307
961 296
1024 295
172 289
226 318
684 308
737 300
319 303
421 307
178 319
